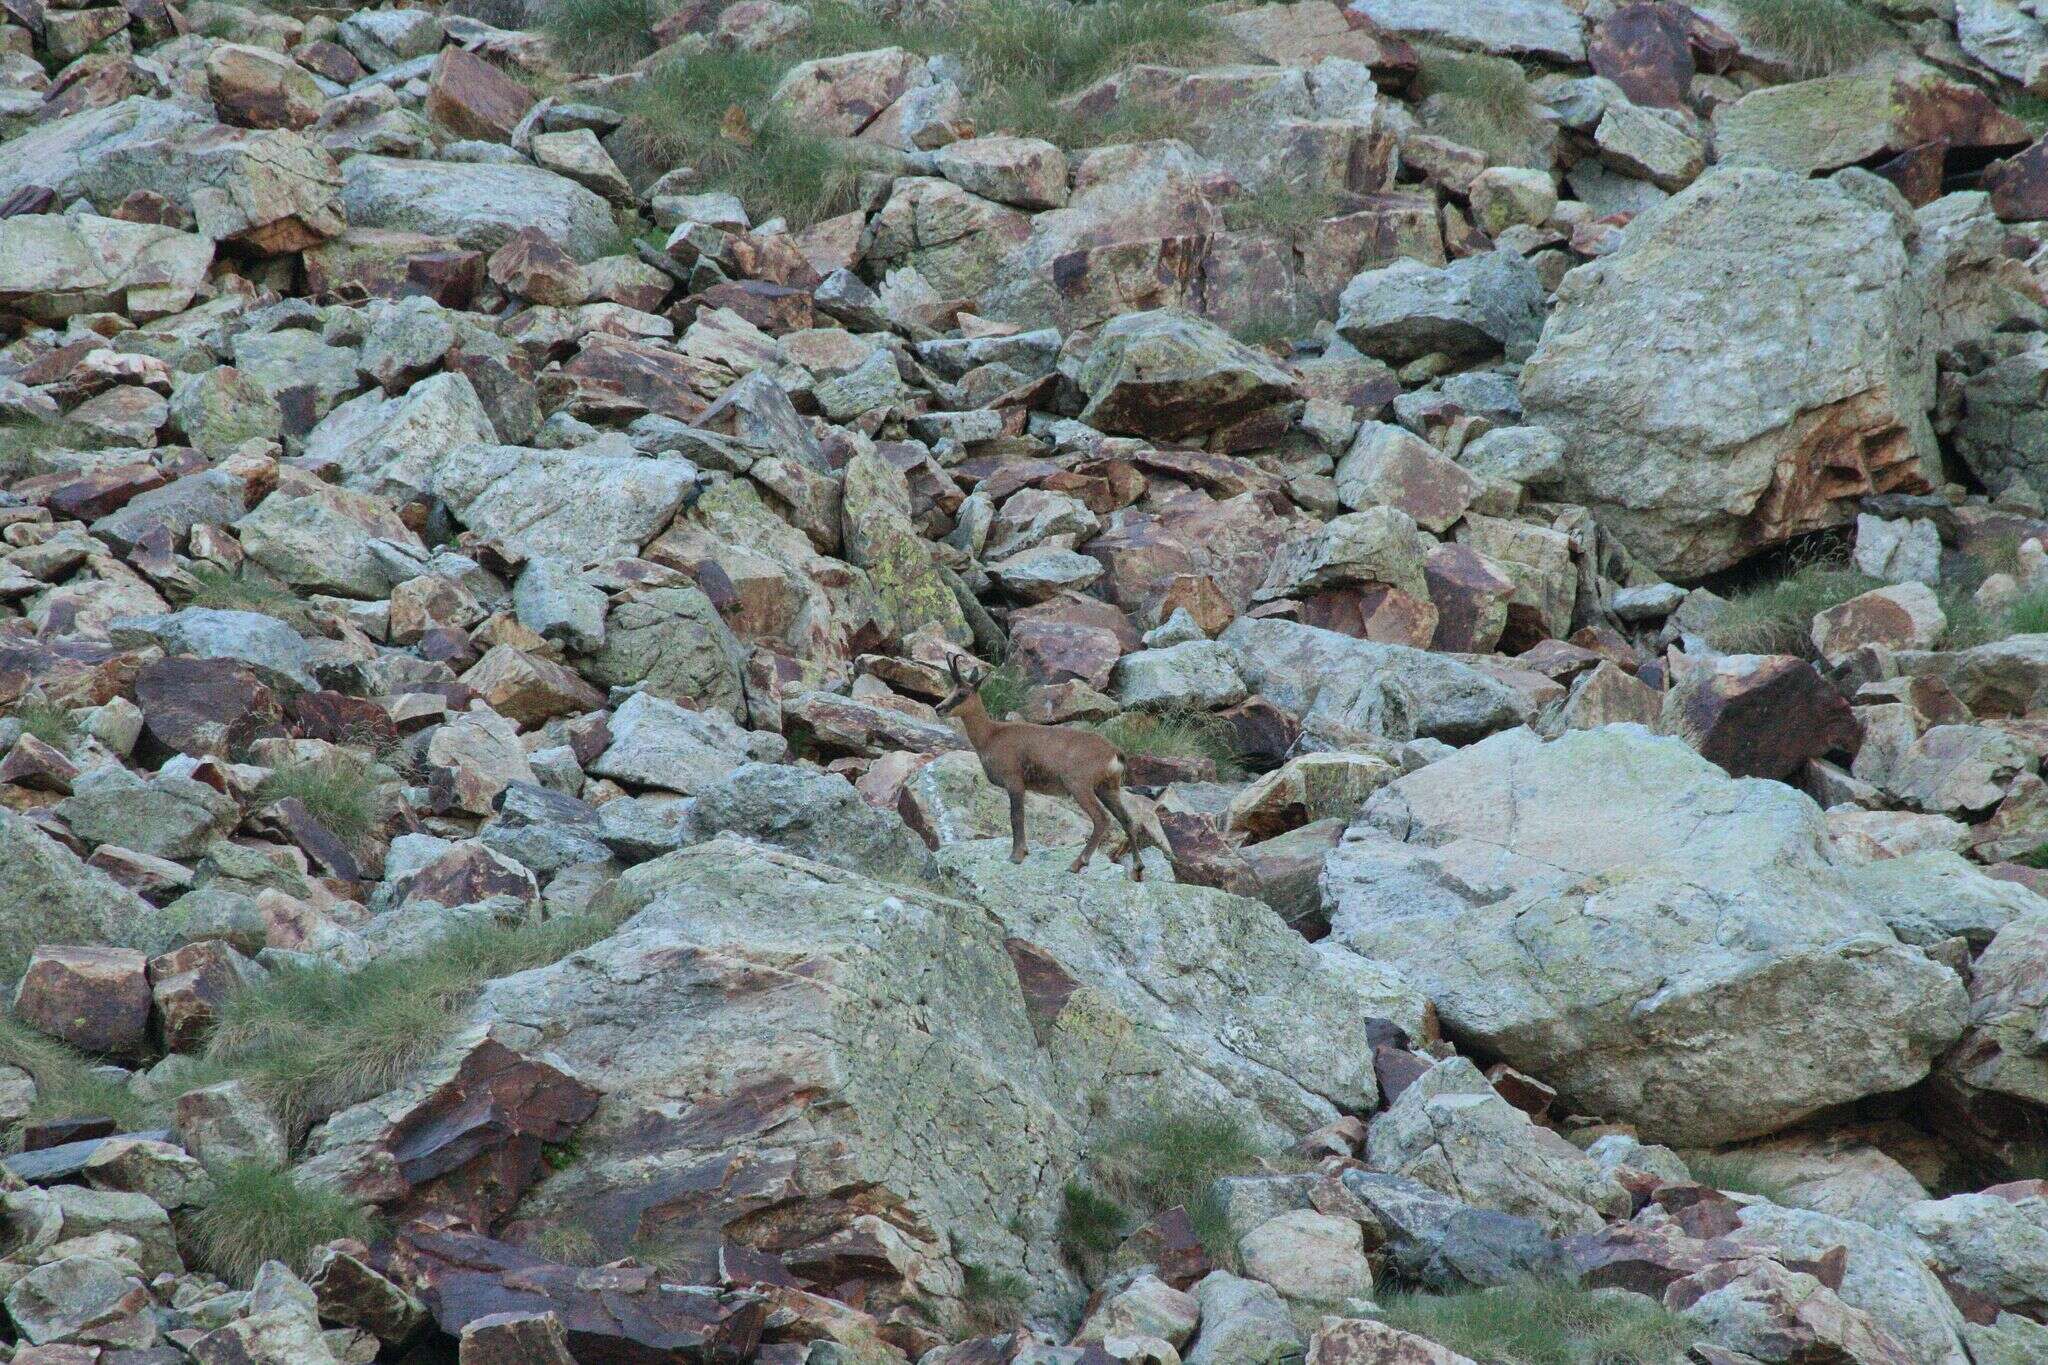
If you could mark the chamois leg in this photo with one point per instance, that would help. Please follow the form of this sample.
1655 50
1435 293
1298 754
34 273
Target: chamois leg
1098 819
1112 799
1017 849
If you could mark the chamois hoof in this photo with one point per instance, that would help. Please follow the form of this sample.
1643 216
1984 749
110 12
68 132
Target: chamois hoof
1076 866
1017 855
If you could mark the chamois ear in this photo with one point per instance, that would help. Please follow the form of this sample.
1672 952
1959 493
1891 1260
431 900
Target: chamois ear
953 670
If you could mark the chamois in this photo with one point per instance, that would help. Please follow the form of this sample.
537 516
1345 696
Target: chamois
1051 760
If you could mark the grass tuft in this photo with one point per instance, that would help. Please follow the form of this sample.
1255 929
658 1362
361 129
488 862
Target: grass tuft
2026 614
994 1299
1176 733
314 1039
67 1087
1818 36
261 1213
1545 1323
1737 1173
340 790
54 725
1002 691
1156 1163
711 110
569 1244
1777 617
223 590
601 35
1482 102
1091 1224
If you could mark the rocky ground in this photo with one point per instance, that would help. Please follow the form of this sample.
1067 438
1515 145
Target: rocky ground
1548 495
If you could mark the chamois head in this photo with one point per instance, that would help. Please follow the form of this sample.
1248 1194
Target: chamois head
963 686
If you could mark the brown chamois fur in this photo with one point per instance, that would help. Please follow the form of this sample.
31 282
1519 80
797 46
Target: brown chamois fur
1051 760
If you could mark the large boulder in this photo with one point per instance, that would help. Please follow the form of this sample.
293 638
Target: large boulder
574 505
1480 304
1548 29
1666 945
268 190
1164 374
1347 688
55 265
859 1081
480 205
1723 383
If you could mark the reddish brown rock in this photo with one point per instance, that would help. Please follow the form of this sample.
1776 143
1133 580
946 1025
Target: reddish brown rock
529 689
468 873
1170 1244
617 378
338 718
67 672
1472 596
188 986
38 767
156 880
1759 715
1365 1341
1373 612
1643 1258
350 1292
1644 49
205 706
1786 1316
473 99
95 999
294 822
620 1314
532 265
516 1338
1071 638
331 60
2019 184
252 87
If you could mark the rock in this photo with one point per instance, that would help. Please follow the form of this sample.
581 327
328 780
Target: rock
1905 550
473 757
656 743
1164 374
1988 1243
1149 1307
840 95
52 267
271 190
473 99
577 155
2000 437
529 689
1378 547
258 89
1824 125
1643 49
1758 715
86 1299
815 815
515 1338
1958 769
218 409
1997 1061
1362 1341
1201 675
1805 1008
882 538
389 447
561 503
1024 172
1452 1132
478 205
1308 788
188 986
1887 1275
1766 1311
96 999
535 268
272 650
1242 1320
1387 466
224 1124
1546 29
328 540
1308 1257
1470 307
1647 146
1850 397
168 816
1344 687
672 642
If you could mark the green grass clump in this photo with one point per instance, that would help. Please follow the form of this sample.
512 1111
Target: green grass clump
314 1039
1969 624
1545 1323
223 590
1176 733
2026 614
2028 108
67 1087
1482 102
1818 36
1091 1223
601 35
1002 691
569 1244
994 1299
340 789
1285 208
54 725
1737 1173
261 1213
1158 1162
1024 57
22 439
1777 617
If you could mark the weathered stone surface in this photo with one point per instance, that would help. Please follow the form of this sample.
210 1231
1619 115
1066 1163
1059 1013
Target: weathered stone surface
1165 374
562 504
815 815
1693 457
478 205
1766 1311
1470 307
259 89
1309 1257
96 999
1556 889
472 98
1389 466
1548 29
1996 1072
1758 715
52 266
1988 1243
188 986
656 743
1451 1131
673 642
1364 1341
1344 687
